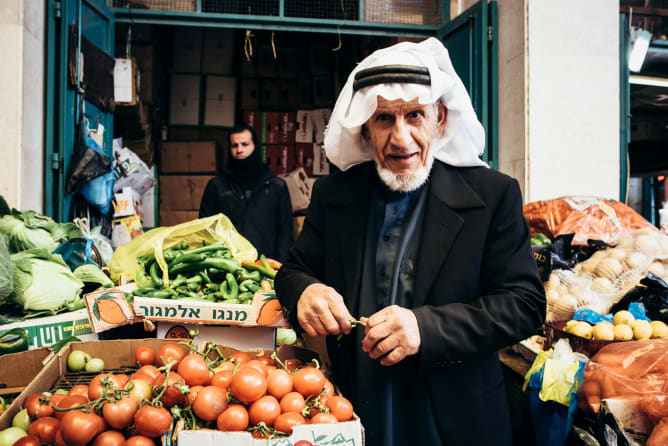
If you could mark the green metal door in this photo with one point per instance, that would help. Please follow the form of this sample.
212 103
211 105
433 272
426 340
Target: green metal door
95 21
472 43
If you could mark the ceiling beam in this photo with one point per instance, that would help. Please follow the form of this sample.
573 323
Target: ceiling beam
644 11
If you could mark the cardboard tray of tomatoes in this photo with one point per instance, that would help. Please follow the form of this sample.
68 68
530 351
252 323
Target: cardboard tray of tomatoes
14 379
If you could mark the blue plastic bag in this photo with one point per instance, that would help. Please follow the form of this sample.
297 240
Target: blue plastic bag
99 192
76 252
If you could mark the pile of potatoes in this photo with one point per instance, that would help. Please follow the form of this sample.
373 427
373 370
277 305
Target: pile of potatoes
624 327
602 280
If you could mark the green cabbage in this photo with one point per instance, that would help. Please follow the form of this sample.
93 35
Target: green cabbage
92 274
29 230
6 270
42 281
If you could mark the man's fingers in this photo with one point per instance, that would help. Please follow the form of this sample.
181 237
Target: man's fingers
394 356
374 335
342 316
330 325
383 347
377 318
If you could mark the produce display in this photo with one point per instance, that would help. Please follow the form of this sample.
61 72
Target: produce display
623 328
258 394
204 273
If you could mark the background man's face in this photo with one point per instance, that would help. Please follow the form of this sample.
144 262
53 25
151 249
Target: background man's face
401 134
241 144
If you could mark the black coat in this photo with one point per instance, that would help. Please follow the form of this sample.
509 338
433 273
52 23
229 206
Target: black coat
265 219
476 290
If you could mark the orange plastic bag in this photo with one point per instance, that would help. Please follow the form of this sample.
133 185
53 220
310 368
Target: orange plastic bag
584 216
659 435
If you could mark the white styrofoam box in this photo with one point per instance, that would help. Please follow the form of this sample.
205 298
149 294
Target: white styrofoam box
124 88
220 101
320 163
299 188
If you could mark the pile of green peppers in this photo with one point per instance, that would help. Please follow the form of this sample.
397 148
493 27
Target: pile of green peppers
208 273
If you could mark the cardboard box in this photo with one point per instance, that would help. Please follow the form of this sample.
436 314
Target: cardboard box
253 119
320 162
289 62
287 127
323 93
172 218
220 105
14 379
188 156
304 127
287 95
281 158
218 52
300 192
250 94
184 99
267 63
151 200
320 118
182 192
46 331
304 157
304 93
298 224
146 59
242 338
249 68
320 59
187 49
270 91
271 128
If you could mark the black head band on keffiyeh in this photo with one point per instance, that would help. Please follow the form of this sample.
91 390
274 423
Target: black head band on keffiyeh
387 74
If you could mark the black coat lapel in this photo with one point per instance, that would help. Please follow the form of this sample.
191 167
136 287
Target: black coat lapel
448 192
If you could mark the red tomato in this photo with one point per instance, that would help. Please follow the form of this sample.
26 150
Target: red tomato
194 370
270 368
264 410
340 407
109 438
190 397
58 441
45 429
257 365
79 389
139 440
28 440
95 387
123 379
67 402
56 398
38 405
226 366
151 371
222 379
292 364
172 394
309 381
240 357
170 353
286 421
211 401
152 421
324 418
120 414
279 383
79 428
234 418
144 355
266 360
303 443
293 402
248 385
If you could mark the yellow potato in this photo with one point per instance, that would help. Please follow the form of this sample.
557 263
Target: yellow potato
582 329
623 332
642 330
623 317
659 329
604 331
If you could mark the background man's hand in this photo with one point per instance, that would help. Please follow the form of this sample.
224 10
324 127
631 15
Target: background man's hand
321 311
393 333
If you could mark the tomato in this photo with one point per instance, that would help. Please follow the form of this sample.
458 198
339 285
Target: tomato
222 379
266 360
58 441
270 368
79 428
248 385
95 387
264 410
261 434
142 377
286 421
139 440
120 414
56 398
109 438
79 389
329 391
324 418
152 421
172 394
226 366
340 407
67 402
211 401
38 405
189 398
293 402
123 379
308 381
279 383
141 390
45 429
292 364
303 443
29 440
194 370
257 365
171 353
234 418
240 357
151 371
144 355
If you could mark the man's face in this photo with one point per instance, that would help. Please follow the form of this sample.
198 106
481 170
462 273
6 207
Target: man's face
241 144
401 134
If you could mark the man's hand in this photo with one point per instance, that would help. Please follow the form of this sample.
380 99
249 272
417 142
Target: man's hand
393 333
321 311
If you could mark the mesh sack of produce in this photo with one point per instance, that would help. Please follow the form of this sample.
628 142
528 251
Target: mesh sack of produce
196 232
628 370
603 279
585 217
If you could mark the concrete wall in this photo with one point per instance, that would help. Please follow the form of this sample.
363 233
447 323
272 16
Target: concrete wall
22 27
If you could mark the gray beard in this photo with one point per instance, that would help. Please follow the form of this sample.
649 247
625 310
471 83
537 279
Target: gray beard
405 183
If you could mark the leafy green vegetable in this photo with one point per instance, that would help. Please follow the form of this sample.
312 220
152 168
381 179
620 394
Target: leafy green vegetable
29 229
92 274
54 285
6 270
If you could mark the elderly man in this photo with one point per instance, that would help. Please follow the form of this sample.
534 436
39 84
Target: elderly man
429 247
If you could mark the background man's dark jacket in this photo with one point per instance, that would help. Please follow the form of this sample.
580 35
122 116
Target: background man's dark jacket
477 288
265 219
